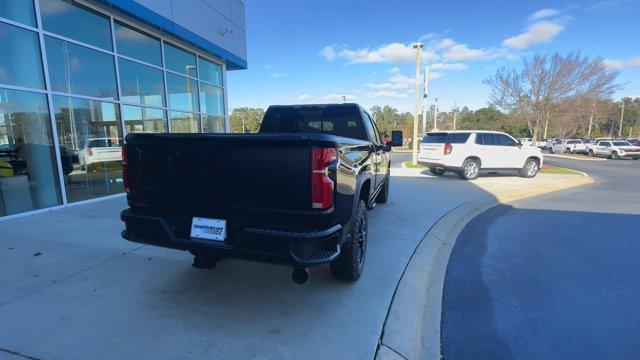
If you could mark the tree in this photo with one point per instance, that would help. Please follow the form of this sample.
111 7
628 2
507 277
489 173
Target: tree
491 119
389 119
252 118
535 92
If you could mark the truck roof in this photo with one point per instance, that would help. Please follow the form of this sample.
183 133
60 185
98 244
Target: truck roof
317 105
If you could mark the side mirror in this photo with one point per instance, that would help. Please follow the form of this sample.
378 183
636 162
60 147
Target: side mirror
396 138
519 143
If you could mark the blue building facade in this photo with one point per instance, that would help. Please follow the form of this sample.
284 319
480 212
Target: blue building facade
76 76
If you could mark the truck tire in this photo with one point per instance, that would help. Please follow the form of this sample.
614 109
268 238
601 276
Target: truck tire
615 156
530 168
349 264
591 153
470 169
437 171
383 195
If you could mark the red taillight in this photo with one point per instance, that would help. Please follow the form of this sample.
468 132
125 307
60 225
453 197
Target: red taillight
321 184
125 170
447 148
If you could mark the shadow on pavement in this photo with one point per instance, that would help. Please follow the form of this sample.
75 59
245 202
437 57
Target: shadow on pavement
530 283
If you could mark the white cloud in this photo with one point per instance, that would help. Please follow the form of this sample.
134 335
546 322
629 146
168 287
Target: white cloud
454 51
609 5
449 66
386 94
328 52
277 75
634 61
335 97
394 70
617 64
540 32
305 98
544 14
613 65
395 82
388 53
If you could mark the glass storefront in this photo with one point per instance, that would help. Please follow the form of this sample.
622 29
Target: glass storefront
28 169
62 127
90 132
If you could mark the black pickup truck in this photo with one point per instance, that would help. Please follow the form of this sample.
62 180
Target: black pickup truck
295 193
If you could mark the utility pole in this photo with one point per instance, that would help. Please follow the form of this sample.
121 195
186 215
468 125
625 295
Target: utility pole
621 118
455 114
435 114
425 97
416 107
593 110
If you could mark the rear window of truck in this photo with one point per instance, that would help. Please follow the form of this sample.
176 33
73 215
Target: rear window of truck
444 138
336 120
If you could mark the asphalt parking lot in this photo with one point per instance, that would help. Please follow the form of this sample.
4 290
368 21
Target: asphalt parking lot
553 276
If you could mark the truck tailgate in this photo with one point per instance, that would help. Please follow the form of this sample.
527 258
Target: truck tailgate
213 174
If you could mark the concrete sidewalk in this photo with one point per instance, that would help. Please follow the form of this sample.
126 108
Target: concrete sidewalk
71 288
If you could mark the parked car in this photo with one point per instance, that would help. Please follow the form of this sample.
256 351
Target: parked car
296 193
589 144
99 150
568 146
526 141
468 153
634 142
615 150
544 144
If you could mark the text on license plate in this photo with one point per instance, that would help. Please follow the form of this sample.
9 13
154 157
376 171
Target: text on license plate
210 229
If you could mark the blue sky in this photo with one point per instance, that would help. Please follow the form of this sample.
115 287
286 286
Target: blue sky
319 51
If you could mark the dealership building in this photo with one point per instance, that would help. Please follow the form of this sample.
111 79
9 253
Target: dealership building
77 76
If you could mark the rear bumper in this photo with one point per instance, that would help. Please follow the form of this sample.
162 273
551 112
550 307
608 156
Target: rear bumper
430 164
298 248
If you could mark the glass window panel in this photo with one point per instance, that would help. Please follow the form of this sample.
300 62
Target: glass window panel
184 122
183 93
144 120
140 83
210 71
137 45
76 22
20 60
28 167
21 11
79 70
179 60
90 130
211 99
212 124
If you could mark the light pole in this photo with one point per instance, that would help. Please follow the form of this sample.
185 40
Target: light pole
455 114
435 114
416 108
621 118
425 96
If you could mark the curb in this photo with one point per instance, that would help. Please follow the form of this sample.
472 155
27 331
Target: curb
574 158
412 326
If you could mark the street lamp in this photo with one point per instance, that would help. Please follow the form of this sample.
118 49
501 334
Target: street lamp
416 108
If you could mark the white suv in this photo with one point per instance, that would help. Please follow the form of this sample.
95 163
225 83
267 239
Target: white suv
469 152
